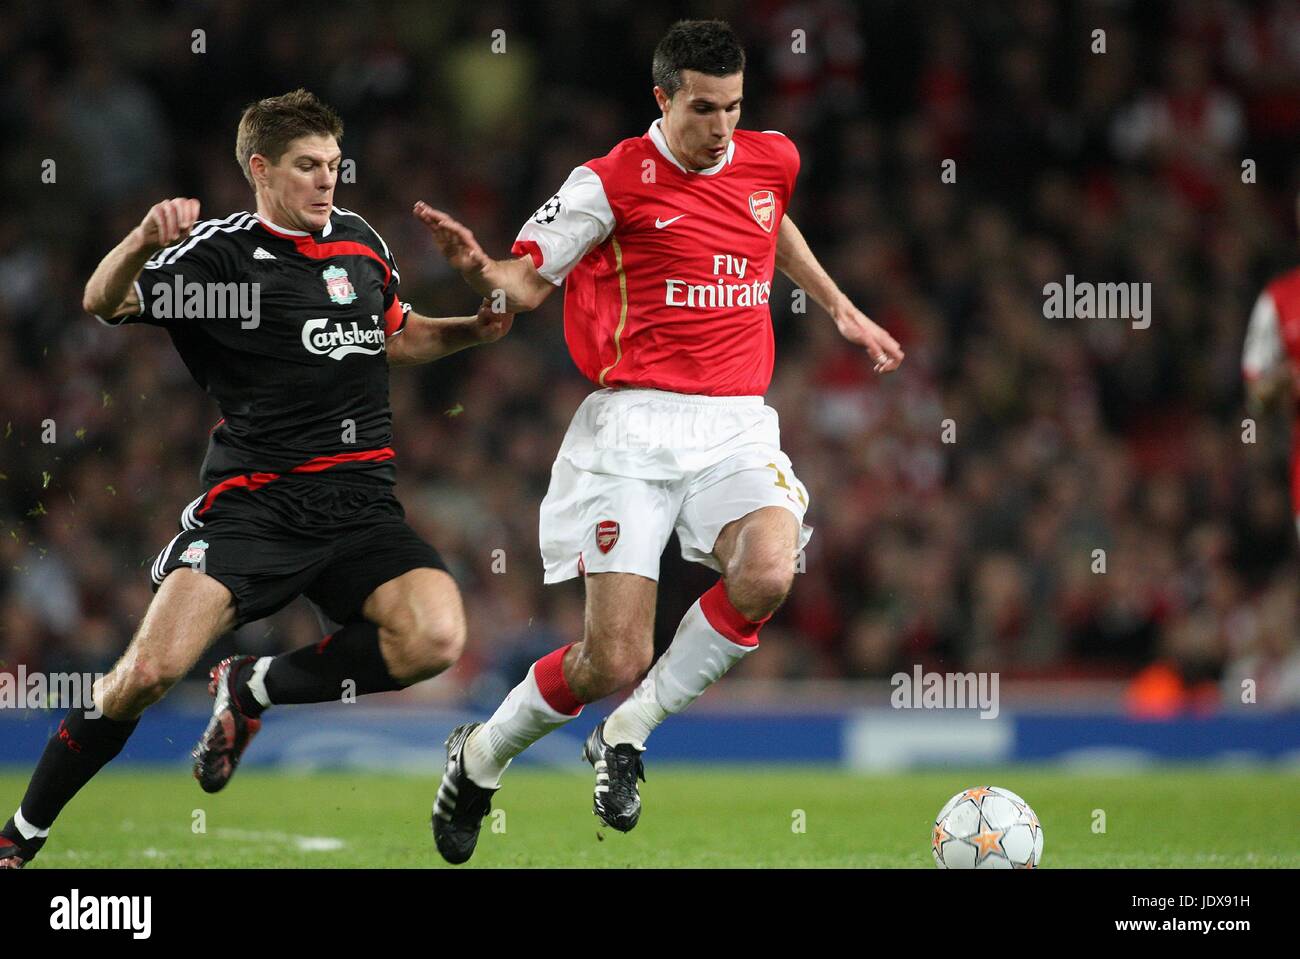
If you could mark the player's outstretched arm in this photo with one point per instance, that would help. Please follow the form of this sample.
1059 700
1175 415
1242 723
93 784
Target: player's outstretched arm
110 290
427 338
796 260
524 287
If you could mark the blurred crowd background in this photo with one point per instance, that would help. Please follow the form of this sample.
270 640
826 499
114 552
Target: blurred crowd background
1071 435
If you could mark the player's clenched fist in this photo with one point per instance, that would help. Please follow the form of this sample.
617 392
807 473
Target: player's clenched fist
489 325
167 222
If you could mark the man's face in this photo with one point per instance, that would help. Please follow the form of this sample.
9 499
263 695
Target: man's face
701 116
299 189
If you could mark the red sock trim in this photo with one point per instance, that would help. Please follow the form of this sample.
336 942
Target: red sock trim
728 620
548 673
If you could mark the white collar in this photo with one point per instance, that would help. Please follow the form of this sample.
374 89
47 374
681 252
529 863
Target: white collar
325 230
661 142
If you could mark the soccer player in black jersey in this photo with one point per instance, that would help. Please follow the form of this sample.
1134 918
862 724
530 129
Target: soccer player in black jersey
289 318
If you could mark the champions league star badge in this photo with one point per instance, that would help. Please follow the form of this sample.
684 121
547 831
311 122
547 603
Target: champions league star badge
548 211
339 286
762 204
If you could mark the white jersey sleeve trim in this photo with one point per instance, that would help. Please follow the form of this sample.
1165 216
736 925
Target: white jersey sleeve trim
139 296
201 231
570 224
1263 352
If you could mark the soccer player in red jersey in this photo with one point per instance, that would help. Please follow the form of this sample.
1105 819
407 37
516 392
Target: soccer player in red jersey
1271 357
666 247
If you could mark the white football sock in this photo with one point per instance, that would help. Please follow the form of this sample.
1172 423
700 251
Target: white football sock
697 658
257 681
522 718
26 829
638 715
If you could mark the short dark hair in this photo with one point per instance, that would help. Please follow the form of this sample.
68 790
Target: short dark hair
706 46
269 126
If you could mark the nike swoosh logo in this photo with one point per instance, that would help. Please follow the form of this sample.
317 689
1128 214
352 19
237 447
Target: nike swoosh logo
660 224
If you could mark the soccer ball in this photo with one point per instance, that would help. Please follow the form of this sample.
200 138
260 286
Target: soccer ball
986 827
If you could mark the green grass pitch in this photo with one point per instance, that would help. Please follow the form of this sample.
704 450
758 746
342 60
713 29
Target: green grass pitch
740 817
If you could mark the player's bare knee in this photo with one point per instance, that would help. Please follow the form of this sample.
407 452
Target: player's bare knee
604 669
443 640
757 589
427 643
147 680
630 668
598 684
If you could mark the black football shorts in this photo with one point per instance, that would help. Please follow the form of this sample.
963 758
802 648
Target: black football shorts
329 540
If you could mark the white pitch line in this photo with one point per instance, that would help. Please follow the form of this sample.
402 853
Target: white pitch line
302 843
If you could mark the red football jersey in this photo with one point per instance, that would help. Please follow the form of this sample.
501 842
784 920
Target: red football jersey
1272 341
667 272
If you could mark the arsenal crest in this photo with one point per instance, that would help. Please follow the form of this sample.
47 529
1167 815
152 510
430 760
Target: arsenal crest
606 535
762 204
339 286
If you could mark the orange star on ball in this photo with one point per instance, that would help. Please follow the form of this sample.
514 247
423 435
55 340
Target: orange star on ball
989 841
939 836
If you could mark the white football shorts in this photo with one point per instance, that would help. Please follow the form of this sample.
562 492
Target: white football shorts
637 464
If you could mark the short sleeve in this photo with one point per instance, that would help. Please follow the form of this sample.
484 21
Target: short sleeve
567 226
181 283
394 309
1264 351
790 161
395 313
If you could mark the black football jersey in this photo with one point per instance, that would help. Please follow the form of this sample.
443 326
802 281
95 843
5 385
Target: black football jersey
286 331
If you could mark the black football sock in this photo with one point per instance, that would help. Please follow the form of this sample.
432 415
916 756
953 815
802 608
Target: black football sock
317 673
80 748
246 702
